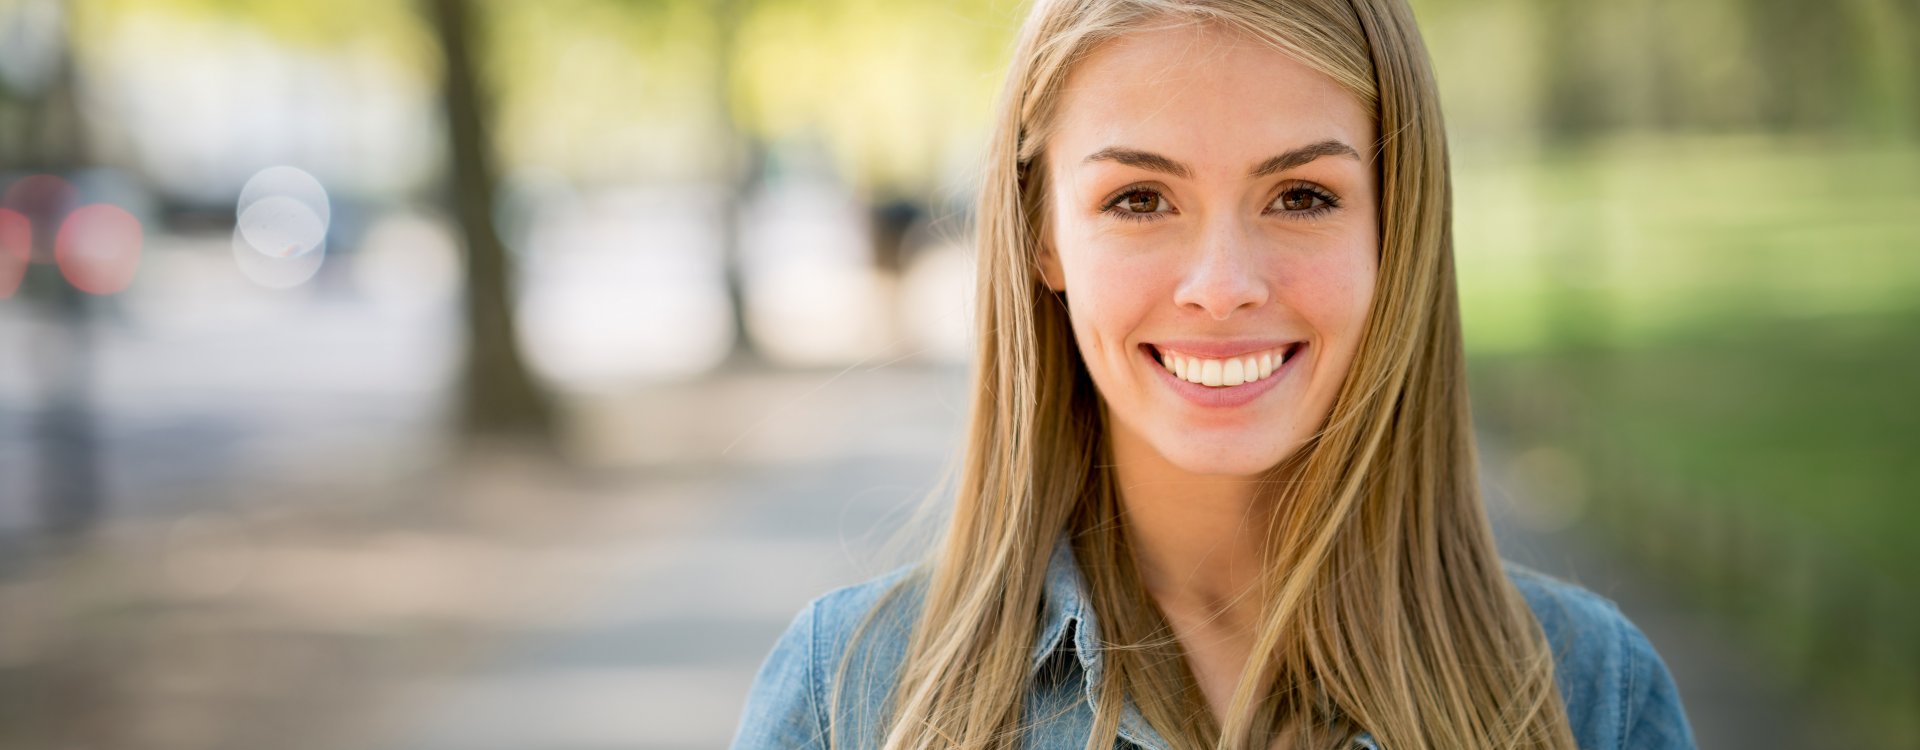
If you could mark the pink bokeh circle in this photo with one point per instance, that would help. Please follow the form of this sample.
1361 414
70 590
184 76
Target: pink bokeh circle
98 248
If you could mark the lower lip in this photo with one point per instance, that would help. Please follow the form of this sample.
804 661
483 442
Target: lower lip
1221 397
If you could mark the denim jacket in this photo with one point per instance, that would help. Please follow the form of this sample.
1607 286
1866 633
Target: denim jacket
1618 693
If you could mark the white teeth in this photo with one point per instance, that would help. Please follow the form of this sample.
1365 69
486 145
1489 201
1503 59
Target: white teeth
1223 373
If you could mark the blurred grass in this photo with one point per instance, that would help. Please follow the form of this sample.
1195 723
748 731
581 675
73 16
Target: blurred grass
1661 234
1808 421
1724 335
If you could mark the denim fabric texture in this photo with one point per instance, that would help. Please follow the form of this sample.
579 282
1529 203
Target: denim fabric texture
1618 693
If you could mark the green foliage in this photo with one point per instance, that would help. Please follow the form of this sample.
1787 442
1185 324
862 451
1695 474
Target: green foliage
891 87
388 25
605 90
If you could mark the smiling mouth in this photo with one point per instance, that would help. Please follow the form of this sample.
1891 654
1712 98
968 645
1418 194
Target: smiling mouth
1224 373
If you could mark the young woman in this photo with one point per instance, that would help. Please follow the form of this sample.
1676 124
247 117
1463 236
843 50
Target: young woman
1219 484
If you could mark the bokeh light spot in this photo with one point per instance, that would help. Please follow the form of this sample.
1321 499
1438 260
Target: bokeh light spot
98 248
281 227
286 182
275 272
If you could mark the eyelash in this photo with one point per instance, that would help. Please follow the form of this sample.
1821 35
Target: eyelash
1328 202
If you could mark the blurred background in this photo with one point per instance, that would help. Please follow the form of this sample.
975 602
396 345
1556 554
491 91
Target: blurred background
500 374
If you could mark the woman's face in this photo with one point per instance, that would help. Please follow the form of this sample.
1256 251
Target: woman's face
1212 205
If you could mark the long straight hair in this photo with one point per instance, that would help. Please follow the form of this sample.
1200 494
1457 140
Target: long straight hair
1384 605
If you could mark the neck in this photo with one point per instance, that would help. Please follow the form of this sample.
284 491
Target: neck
1196 538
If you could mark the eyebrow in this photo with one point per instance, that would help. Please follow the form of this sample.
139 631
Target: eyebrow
1148 160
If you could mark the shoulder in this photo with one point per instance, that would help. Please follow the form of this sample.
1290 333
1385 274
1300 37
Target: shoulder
1618 691
885 603
792 701
1577 620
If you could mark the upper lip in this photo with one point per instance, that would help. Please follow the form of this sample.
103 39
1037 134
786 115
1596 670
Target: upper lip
1220 349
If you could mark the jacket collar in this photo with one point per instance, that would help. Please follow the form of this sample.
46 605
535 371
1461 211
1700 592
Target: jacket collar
1068 612
1069 617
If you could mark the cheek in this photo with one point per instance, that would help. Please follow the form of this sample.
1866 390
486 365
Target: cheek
1107 303
1333 292
1110 284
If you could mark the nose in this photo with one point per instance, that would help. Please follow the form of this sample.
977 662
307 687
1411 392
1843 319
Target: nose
1225 272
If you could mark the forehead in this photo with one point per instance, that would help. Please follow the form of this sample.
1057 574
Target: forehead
1201 93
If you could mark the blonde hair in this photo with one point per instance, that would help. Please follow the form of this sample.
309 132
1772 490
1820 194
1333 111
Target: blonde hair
1385 604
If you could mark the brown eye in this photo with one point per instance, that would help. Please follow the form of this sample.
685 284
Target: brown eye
1300 199
1137 204
1142 202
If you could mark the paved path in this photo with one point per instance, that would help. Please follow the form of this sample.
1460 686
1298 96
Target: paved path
662 655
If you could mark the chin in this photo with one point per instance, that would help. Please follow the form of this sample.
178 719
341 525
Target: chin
1241 460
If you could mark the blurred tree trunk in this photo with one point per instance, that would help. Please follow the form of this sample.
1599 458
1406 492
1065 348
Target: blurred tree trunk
500 395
